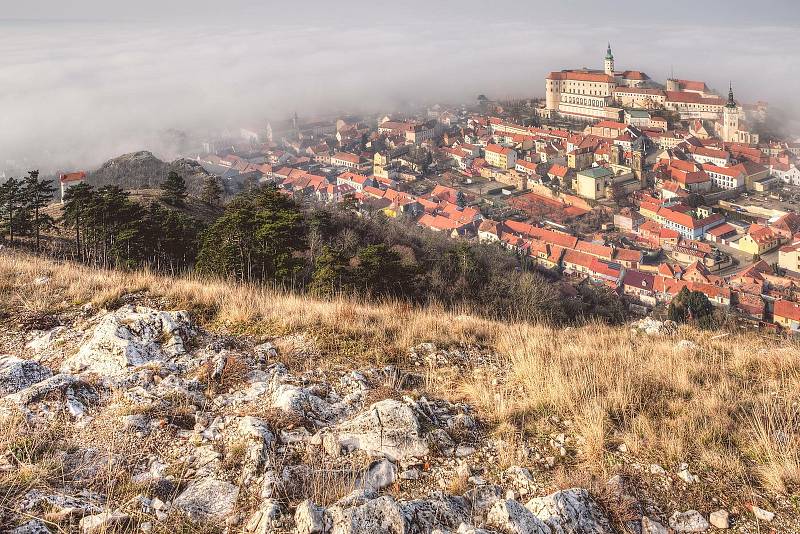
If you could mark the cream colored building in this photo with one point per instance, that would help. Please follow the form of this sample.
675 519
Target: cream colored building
589 94
500 156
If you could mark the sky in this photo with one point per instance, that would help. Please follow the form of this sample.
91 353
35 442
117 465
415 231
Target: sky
86 80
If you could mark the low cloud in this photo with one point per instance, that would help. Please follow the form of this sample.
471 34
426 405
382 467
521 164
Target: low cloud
75 94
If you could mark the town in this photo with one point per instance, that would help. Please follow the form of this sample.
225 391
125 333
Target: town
611 179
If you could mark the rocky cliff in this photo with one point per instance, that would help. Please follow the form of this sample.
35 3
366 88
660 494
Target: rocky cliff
142 170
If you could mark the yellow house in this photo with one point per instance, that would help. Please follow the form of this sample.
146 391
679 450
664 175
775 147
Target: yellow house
758 240
502 157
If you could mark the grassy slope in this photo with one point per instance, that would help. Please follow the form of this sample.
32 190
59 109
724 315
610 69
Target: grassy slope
729 405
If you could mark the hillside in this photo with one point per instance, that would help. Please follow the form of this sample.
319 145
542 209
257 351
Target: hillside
142 170
193 207
136 402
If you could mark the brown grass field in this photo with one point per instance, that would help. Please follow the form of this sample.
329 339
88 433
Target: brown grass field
730 403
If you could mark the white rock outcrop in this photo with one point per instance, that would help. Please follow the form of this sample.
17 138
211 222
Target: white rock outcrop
388 427
511 517
130 336
17 374
571 511
207 499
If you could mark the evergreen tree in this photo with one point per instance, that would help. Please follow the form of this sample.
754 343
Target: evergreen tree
330 273
77 199
11 206
174 189
691 306
37 195
461 200
255 239
212 191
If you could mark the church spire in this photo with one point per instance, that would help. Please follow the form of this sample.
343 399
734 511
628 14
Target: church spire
731 102
609 55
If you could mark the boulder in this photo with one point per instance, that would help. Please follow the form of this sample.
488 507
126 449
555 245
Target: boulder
39 390
688 521
207 499
380 474
510 517
128 337
483 497
571 511
102 522
34 526
388 427
378 516
309 518
17 374
439 511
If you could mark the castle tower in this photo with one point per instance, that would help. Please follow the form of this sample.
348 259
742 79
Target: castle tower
609 62
730 118
673 85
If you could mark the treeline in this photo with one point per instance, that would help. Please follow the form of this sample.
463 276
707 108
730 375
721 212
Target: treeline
263 236
22 203
111 230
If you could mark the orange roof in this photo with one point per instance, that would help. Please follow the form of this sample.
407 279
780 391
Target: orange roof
346 156
787 310
438 222
581 76
72 177
558 170
595 249
497 149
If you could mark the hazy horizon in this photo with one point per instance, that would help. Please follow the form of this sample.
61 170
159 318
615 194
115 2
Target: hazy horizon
85 82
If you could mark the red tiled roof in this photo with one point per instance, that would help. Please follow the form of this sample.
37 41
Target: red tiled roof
581 76
72 177
787 309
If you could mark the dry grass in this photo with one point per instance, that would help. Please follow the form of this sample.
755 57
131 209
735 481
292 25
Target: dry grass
729 405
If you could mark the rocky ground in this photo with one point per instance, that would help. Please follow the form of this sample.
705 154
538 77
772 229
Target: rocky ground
137 419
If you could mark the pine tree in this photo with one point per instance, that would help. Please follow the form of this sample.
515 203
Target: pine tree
38 194
77 200
212 191
174 189
11 203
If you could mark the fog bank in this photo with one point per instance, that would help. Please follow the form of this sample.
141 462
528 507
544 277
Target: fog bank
73 94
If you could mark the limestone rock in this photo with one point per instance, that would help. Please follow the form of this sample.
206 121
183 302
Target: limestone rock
378 516
17 374
438 511
761 514
389 427
571 511
688 521
207 499
380 474
510 517
651 526
719 519
34 526
130 336
102 522
37 391
309 518
482 498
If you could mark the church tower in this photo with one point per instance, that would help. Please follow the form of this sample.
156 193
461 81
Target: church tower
609 62
730 118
